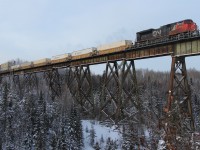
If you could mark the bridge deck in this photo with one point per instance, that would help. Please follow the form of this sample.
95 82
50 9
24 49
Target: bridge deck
183 47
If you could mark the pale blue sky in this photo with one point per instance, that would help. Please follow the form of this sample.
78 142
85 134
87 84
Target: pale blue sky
34 29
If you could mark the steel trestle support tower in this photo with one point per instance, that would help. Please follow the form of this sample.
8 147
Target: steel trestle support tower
179 117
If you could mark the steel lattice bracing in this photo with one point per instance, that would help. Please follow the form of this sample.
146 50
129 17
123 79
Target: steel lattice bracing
17 83
30 81
1 82
119 96
80 86
25 83
54 82
119 99
178 109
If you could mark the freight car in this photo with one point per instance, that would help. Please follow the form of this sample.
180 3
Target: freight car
88 52
26 65
61 58
5 66
166 31
15 67
114 47
41 62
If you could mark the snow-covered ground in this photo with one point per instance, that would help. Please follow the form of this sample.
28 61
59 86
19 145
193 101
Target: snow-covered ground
101 132
104 132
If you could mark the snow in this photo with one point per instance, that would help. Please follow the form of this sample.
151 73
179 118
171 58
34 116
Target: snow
161 145
100 130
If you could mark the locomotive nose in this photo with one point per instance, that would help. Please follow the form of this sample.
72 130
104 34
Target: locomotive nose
194 27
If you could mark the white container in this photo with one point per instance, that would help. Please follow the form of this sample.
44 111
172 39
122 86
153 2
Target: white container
27 64
15 67
42 61
62 56
5 66
115 44
84 51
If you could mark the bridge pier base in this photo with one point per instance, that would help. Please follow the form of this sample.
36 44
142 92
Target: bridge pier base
179 109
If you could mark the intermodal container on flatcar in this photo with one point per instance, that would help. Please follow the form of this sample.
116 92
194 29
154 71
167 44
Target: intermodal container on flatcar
114 47
15 67
41 62
88 52
26 65
60 58
5 66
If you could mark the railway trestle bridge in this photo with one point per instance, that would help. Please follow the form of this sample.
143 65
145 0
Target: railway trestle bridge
120 68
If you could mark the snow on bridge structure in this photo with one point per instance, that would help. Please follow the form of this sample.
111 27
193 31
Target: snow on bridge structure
120 68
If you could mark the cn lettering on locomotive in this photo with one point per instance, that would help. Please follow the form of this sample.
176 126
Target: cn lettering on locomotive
156 33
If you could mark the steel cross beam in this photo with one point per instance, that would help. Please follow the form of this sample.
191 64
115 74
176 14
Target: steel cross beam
17 83
54 82
30 81
1 82
119 96
178 110
79 82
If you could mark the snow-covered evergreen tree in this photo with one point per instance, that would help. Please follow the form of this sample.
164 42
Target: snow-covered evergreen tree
92 136
75 130
40 126
3 112
29 119
101 140
86 129
52 140
64 140
9 130
96 146
110 144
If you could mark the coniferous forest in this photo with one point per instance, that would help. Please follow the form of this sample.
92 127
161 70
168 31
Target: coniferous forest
31 120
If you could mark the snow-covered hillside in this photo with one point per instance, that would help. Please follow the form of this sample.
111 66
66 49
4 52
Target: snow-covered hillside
103 134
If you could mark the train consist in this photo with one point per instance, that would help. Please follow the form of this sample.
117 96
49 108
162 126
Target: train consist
164 32
80 54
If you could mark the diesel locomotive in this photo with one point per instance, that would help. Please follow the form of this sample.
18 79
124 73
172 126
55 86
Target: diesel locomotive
166 31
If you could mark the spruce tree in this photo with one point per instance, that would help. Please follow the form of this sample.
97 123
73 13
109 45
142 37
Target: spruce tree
75 130
64 141
92 136
41 126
